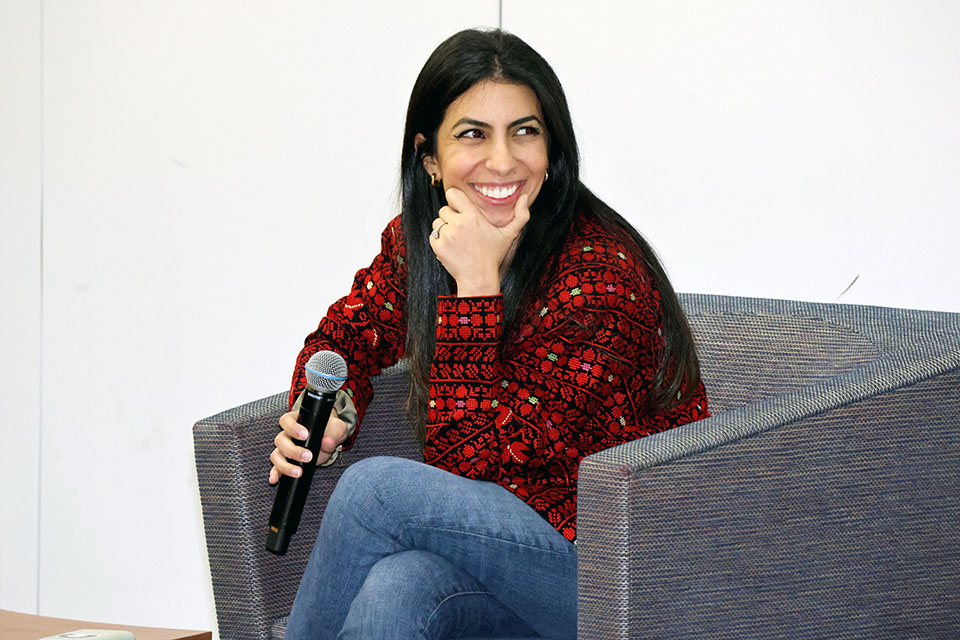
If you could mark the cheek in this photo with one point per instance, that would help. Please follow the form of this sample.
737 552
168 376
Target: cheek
457 166
536 158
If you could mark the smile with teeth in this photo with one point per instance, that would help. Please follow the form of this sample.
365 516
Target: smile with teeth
498 193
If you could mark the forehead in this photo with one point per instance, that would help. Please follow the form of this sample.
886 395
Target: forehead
492 101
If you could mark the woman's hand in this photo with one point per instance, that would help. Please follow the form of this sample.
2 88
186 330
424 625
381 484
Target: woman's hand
470 248
333 435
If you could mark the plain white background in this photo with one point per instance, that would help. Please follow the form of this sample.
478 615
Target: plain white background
185 187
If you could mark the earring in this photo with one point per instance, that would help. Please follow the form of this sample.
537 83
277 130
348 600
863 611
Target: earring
546 176
434 181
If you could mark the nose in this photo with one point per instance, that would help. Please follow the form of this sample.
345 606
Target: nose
501 158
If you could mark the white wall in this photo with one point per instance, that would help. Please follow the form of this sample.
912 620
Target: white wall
772 149
203 162
20 299
213 174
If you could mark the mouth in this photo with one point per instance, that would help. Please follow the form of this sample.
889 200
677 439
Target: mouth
499 193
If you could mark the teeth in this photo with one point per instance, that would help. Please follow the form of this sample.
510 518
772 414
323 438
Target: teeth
497 193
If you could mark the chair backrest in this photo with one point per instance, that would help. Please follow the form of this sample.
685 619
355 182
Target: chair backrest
749 355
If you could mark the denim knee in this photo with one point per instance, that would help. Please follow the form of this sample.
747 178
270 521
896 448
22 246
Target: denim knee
412 594
403 579
370 475
364 486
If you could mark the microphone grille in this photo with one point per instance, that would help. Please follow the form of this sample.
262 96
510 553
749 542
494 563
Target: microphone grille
326 371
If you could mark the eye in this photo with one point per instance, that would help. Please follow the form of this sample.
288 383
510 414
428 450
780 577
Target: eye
469 134
528 130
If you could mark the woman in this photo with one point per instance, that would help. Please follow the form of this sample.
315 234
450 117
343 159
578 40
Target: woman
539 327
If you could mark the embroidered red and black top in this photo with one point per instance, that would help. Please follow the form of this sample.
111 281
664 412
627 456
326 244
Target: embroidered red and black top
572 378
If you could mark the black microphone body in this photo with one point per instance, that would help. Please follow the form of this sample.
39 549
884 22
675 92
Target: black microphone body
292 493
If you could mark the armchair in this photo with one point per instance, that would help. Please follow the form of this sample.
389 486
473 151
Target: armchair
822 499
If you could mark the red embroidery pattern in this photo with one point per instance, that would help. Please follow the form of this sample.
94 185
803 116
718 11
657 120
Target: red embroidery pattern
573 379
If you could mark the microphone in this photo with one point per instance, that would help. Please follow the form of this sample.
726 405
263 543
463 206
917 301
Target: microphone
326 372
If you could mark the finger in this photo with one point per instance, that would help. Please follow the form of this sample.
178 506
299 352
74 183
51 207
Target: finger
291 449
433 237
521 216
283 466
445 216
448 214
327 447
457 200
334 435
290 426
274 477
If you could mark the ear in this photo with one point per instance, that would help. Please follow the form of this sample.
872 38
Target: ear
429 162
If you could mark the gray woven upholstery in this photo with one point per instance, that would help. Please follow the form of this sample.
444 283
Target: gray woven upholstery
821 500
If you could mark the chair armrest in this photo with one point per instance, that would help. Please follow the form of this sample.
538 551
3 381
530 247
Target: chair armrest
827 511
232 450
251 586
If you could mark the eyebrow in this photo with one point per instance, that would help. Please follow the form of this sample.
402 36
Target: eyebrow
478 123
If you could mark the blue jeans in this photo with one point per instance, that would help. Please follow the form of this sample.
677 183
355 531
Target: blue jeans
406 550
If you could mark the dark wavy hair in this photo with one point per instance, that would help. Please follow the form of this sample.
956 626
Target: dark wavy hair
459 63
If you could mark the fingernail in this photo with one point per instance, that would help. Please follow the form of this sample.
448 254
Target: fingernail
302 434
305 456
296 472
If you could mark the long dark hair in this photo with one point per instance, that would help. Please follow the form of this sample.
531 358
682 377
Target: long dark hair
459 63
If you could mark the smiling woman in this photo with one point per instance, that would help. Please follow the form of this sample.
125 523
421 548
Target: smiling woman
485 150
492 164
539 327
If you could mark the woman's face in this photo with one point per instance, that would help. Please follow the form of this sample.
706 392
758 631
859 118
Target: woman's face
492 145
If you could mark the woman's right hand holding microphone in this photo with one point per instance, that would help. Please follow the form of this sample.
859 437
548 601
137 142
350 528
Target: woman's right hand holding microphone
335 433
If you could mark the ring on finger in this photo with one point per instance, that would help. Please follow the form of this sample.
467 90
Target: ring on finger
436 231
